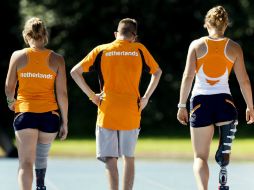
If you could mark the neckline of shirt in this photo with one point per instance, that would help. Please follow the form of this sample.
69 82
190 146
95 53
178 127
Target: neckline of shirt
216 39
38 50
122 41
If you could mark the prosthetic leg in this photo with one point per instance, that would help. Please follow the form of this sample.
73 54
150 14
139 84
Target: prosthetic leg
227 134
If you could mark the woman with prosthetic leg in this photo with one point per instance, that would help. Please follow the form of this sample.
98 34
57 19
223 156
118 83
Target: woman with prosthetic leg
210 60
41 107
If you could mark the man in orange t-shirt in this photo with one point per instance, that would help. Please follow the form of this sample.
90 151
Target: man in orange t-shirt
119 65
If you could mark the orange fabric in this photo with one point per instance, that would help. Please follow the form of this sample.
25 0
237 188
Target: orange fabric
119 65
36 84
215 61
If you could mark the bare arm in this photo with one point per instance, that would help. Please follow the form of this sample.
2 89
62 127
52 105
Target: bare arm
155 78
62 96
244 82
76 74
11 80
187 80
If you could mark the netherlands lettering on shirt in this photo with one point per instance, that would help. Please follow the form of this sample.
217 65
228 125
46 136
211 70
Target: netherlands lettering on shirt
121 53
36 75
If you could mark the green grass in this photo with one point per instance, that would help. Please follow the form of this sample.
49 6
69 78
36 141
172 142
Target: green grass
153 148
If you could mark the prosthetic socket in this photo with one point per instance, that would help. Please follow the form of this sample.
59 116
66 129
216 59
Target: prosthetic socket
227 134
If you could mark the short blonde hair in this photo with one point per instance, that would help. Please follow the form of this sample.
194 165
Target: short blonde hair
35 29
217 17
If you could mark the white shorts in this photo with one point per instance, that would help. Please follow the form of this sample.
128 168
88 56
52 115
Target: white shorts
115 143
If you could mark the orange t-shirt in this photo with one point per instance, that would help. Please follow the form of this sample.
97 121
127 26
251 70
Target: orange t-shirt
119 65
36 84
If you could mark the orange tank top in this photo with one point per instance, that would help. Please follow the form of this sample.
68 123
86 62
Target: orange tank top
213 69
36 83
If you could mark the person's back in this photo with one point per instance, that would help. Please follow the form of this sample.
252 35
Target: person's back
119 66
121 63
41 101
212 76
36 83
210 60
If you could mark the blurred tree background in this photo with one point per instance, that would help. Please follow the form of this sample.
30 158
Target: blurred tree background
166 28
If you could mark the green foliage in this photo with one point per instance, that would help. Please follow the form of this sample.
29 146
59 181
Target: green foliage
166 28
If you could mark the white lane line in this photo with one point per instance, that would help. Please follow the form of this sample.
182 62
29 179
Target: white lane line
51 185
154 183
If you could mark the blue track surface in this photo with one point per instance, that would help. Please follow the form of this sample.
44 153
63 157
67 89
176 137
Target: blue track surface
77 174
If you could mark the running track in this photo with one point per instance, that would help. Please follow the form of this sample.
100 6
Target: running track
88 174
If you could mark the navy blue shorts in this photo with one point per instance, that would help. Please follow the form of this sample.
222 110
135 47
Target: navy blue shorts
48 122
211 109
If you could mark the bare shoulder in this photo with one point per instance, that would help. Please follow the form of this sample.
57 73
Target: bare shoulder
56 61
233 50
56 58
234 46
19 56
198 43
199 46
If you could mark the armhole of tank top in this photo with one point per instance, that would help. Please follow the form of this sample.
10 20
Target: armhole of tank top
225 51
48 61
27 56
204 39
27 60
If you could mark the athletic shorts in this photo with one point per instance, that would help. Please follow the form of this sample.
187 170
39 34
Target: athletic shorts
211 109
115 143
48 122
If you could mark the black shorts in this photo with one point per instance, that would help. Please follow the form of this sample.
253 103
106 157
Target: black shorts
211 109
48 122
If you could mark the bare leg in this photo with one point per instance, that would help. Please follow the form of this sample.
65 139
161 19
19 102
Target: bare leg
112 173
128 173
26 143
201 140
46 138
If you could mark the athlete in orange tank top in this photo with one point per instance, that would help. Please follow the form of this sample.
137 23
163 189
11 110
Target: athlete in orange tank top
40 74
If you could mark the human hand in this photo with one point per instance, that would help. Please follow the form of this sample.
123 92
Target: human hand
96 98
63 132
250 115
143 102
182 116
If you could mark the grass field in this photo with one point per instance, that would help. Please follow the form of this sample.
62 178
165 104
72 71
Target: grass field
152 148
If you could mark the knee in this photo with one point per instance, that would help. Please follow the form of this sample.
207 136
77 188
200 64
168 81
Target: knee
201 157
111 163
26 164
128 160
199 162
